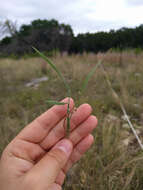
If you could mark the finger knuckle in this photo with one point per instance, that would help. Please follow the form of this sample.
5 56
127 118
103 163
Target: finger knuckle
57 157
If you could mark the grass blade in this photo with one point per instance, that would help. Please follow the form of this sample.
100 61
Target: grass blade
55 69
88 77
55 102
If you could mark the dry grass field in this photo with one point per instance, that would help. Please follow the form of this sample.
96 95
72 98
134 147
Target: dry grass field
115 161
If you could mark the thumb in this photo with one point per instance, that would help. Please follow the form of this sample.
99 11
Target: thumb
48 168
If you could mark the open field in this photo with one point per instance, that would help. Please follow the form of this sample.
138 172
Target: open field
115 161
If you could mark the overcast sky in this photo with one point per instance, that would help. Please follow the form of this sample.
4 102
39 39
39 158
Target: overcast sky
82 15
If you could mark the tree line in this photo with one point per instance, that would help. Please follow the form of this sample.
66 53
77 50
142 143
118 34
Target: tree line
50 35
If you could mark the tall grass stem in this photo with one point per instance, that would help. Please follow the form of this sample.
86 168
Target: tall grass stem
116 97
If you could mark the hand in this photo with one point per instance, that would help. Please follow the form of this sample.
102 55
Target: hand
39 156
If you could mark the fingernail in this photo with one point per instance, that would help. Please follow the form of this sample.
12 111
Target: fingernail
65 145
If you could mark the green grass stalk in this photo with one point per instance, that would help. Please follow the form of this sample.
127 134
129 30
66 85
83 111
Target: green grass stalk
84 86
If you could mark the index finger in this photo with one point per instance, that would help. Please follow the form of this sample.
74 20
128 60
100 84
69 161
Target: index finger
36 131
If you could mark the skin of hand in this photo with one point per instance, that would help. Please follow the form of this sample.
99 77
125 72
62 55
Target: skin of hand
39 157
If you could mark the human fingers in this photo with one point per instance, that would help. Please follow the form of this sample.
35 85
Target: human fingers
77 153
45 172
55 186
58 131
83 130
36 131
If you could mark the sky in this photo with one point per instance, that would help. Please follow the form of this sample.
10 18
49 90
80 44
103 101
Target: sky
83 15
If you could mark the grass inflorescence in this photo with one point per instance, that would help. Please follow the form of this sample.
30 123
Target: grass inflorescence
83 88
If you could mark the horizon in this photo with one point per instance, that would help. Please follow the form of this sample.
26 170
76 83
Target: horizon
114 29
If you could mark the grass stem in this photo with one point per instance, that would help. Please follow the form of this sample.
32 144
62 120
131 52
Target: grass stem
116 97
